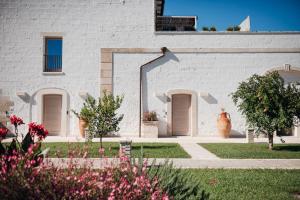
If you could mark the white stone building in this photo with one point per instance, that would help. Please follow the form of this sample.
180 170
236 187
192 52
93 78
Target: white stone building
102 44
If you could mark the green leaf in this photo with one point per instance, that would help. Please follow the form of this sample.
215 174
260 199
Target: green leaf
2 149
12 147
44 153
27 141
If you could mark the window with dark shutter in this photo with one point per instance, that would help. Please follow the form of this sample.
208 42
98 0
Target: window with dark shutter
53 54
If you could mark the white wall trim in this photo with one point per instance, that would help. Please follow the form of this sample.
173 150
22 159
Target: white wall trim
64 110
194 110
283 68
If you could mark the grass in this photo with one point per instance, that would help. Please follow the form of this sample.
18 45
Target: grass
249 184
255 150
150 150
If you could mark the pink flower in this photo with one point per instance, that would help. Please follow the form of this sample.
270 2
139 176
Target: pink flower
16 121
38 130
3 132
135 170
165 197
85 155
101 151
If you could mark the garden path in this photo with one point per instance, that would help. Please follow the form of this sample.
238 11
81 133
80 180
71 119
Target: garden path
98 163
197 152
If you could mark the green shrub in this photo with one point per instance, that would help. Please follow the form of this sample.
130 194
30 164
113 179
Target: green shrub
236 28
230 28
86 112
178 183
213 28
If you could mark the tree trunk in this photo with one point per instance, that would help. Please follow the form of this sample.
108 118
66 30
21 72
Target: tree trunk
101 141
101 148
270 137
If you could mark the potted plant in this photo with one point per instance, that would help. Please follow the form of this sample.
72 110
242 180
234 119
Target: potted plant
233 28
213 29
236 28
150 124
84 115
230 28
205 28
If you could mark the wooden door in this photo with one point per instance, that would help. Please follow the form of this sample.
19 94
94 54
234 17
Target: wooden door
52 113
181 114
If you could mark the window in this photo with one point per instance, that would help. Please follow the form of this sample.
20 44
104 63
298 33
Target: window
53 54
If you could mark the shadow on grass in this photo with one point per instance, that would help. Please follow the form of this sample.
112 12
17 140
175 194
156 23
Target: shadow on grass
294 148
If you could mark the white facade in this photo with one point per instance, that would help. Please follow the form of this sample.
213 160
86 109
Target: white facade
89 26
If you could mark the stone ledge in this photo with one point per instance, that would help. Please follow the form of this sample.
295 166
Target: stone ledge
53 73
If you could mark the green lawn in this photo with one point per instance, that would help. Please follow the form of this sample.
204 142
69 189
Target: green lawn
256 150
249 184
150 150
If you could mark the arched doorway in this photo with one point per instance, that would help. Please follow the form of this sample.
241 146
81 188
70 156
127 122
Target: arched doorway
52 110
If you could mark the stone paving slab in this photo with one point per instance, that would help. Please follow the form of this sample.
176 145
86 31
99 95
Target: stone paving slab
239 164
98 163
197 152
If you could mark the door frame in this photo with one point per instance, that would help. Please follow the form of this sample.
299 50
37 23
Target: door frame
64 108
194 110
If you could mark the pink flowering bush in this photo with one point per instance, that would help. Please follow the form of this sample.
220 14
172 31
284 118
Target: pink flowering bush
119 181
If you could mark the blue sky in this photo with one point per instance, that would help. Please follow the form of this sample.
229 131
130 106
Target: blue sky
266 15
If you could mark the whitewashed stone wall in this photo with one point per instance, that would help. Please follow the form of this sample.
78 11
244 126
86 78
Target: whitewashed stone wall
213 73
89 25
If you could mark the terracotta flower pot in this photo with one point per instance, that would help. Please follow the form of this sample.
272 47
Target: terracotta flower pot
82 125
224 124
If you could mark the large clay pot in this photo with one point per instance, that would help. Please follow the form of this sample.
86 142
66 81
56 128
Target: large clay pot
82 125
224 124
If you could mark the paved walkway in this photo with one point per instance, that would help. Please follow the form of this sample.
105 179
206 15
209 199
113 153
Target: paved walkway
179 139
98 163
198 152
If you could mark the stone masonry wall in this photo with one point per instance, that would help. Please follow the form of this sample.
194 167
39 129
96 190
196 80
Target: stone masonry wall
87 26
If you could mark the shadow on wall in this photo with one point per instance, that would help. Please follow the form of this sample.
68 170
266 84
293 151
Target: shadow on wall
209 98
169 56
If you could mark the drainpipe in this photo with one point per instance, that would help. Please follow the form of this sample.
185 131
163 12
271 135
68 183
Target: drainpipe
163 51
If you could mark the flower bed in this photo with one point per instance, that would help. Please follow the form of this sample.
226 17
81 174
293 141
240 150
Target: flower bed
24 174
21 179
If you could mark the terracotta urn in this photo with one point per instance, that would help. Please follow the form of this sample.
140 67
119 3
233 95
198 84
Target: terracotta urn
224 124
82 125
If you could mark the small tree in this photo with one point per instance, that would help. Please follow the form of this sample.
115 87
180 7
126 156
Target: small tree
105 119
268 104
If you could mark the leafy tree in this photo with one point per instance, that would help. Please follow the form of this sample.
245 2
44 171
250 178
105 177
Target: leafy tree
104 118
268 104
